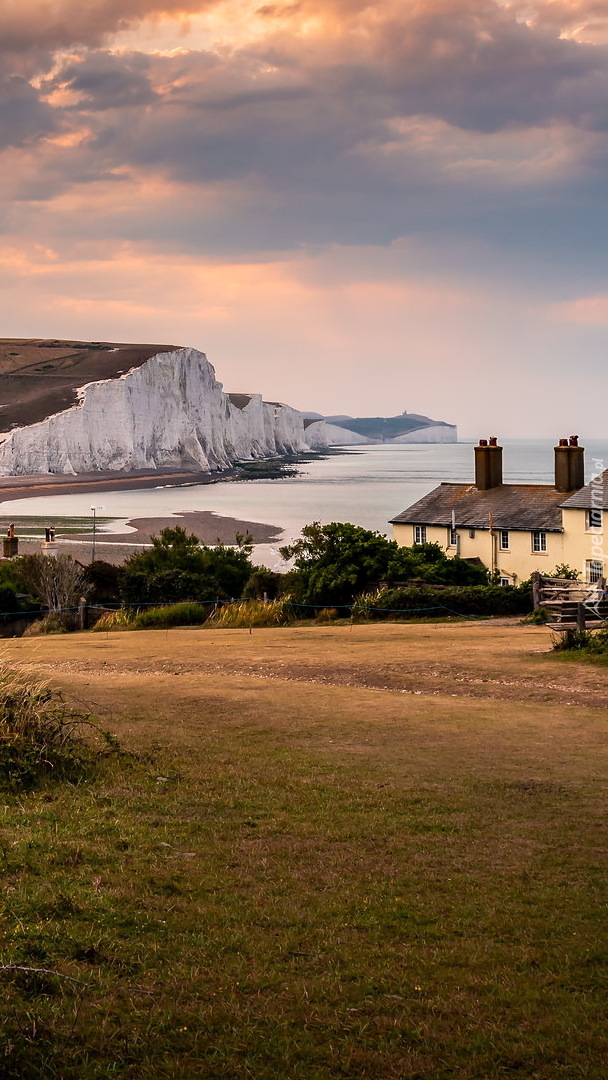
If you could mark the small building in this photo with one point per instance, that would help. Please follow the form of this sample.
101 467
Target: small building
515 529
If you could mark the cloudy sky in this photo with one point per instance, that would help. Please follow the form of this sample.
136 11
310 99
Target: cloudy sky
352 207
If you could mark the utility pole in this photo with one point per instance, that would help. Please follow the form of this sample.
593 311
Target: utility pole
94 509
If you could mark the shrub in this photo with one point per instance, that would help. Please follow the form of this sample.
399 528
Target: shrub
38 734
539 616
56 622
171 615
456 600
573 640
59 582
254 613
177 568
332 564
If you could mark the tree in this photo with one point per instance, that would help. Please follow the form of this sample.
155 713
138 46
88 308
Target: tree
334 563
104 579
58 581
177 567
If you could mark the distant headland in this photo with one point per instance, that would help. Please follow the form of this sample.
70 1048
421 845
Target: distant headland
405 428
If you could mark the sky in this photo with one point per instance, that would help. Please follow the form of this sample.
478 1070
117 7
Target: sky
355 208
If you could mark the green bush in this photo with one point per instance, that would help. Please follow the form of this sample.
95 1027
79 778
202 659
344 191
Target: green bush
177 567
333 564
457 600
171 615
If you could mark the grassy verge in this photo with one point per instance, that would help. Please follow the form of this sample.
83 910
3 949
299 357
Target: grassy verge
255 909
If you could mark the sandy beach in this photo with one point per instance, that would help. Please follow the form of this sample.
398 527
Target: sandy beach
29 487
115 547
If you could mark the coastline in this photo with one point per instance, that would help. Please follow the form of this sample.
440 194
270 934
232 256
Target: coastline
136 534
49 484
29 487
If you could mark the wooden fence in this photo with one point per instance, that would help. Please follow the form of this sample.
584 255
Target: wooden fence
573 605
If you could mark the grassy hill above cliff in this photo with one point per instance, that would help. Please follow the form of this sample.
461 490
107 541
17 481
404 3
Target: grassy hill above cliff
42 377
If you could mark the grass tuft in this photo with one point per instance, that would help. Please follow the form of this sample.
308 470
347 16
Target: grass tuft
122 619
39 734
246 613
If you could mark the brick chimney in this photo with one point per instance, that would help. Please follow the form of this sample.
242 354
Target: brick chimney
569 465
488 464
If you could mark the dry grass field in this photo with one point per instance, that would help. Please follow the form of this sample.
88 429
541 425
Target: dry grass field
374 852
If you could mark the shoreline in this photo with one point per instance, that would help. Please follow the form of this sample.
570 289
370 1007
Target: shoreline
136 534
49 485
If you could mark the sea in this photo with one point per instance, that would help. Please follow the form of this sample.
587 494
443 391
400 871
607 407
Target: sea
364 485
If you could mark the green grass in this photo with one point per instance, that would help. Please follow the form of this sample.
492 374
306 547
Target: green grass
32 528
255 910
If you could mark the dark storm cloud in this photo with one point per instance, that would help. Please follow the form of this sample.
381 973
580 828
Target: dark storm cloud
306 136
31 25
103 81
23 117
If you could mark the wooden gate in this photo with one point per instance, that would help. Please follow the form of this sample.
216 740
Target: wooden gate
573 605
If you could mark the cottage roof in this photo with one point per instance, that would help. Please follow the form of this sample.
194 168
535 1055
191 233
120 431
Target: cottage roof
593 496
512 506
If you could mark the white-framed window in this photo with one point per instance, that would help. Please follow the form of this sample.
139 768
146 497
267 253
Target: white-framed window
539 540
503 539
452 537
504 581
420 534
594 519
594 570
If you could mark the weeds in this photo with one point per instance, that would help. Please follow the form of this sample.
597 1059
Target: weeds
539 616
122 619
570 640
38 734
254 613
56 622
589 645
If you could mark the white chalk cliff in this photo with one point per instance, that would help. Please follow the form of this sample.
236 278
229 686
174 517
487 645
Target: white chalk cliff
170 412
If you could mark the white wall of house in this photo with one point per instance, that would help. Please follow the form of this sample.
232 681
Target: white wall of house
517 561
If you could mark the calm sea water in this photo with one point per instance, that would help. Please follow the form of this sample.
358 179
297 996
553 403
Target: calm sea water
365 485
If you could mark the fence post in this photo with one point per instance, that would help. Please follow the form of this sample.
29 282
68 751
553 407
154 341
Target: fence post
536 589
82 613
580 617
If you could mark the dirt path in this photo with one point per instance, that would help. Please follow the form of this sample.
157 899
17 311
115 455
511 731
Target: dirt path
481 661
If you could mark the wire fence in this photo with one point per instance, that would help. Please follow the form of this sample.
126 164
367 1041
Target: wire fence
352 610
